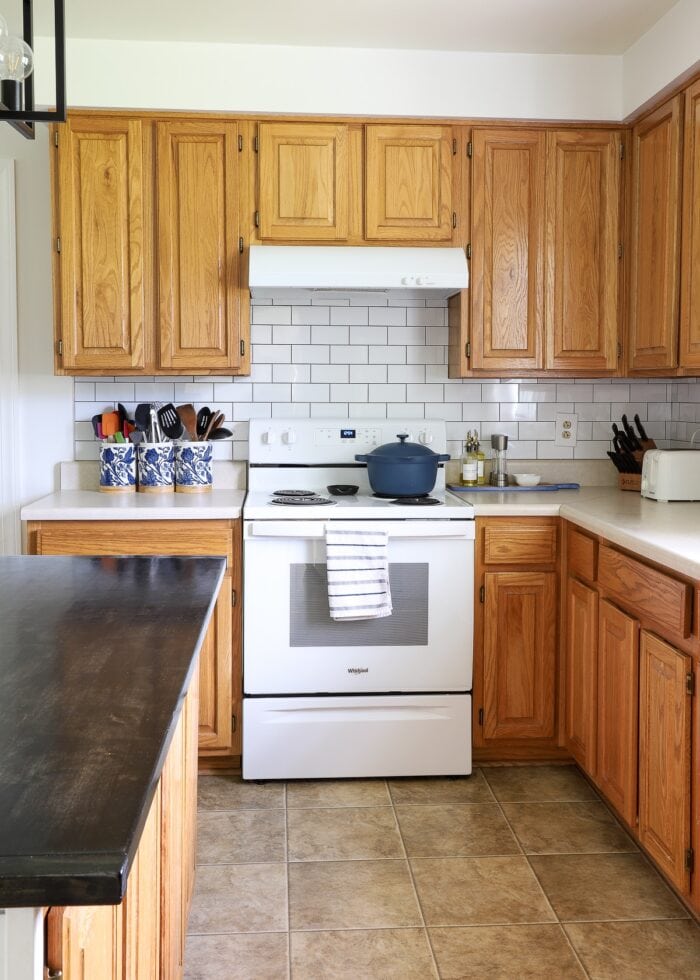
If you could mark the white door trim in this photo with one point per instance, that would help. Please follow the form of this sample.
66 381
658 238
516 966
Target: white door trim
9 367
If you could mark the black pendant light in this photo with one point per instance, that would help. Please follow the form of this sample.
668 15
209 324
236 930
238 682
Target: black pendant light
16 72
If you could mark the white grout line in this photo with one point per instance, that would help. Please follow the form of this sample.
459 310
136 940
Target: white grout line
289 911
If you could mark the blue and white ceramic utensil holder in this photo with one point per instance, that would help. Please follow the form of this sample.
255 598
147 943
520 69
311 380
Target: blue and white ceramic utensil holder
156 467
117 467
193 472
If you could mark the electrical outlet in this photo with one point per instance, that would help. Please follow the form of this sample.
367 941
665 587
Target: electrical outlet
566 427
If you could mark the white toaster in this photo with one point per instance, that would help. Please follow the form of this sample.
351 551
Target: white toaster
671 474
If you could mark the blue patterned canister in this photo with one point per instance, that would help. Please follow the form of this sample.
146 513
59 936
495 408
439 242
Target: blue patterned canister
117 467
193 467
156 467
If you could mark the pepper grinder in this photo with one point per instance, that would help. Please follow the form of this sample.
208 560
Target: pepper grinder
499 464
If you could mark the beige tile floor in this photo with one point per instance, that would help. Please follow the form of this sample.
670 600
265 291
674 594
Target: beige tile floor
515 873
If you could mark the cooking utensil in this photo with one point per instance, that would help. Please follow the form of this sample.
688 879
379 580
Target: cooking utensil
629 432
155 433
640 429
402 469
170 421
203 419
216 419
188 417
142 416
616 460
624 443
220 433
110 424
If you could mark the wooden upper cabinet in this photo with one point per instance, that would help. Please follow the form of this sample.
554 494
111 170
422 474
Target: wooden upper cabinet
303 182
508 185
689 355
582 264
655 239
664 756
618 687
581 673
197 247
102 217
408 183
520 637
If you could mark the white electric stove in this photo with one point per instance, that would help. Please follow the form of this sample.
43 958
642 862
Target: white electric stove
383 697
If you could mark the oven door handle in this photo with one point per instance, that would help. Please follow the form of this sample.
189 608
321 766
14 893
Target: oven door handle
457 530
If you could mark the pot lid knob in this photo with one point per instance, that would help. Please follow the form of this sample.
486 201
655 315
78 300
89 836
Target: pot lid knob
403 437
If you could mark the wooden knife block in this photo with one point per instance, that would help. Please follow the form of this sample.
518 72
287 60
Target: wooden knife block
633 481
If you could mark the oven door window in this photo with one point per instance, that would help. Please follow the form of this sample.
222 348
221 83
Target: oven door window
310 624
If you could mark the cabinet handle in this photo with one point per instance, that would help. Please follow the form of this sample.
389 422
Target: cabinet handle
454 219
482 594
257 219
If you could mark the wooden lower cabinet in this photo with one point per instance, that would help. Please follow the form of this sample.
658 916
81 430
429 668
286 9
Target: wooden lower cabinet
220 660
581 672
617 709
664 756
144 937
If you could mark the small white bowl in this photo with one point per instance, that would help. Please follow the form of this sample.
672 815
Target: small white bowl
527 479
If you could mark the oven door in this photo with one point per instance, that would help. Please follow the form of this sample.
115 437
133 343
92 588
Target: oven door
292 646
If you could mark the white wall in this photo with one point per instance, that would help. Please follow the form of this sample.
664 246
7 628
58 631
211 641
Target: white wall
662 54
253 78
45 409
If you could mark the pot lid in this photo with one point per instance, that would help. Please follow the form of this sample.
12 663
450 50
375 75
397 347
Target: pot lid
396 451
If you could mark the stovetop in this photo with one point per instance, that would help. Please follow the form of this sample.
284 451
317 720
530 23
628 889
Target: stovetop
259 505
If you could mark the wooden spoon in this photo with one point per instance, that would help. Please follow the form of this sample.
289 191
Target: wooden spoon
188 417
215 421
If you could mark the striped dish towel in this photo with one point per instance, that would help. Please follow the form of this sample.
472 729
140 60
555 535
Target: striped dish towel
358 572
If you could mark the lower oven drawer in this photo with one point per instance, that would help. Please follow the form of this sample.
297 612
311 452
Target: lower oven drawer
335 737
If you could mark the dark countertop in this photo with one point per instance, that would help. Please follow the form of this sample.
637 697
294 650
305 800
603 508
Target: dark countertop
96 655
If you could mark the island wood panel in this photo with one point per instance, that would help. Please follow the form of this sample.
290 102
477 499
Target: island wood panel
650 593
582 264
519 652
191 771
408 183
105 252
513 541
197 245
617 714
689 354
174 853
581 673
303 181
664 757
507 266
84 942
581 555
655 239
216 677
141 906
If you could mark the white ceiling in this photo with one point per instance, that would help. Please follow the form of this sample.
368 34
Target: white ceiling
538 26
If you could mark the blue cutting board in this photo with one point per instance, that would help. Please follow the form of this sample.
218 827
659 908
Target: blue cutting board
514 489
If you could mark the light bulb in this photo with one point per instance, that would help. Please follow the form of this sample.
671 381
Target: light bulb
16 59
3 26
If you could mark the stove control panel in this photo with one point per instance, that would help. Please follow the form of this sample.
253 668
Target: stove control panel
331 441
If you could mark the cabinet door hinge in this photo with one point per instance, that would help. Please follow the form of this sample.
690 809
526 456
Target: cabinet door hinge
620 250
468 348
469 148
256 219
240 142
234 722
690 683
481 716
454 219
469 250
256 143
689 862
58 245
59 348
482 594
240 244
242 348
454 147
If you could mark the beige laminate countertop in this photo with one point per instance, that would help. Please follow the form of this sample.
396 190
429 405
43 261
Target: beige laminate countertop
91 505
667 533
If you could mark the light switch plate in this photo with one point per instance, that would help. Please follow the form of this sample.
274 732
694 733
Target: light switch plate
566 429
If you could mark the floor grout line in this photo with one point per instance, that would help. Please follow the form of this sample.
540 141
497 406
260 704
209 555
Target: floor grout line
289 911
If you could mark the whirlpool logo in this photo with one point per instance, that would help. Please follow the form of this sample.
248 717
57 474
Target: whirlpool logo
358 670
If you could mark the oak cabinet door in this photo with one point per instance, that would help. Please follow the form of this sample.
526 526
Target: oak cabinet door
215 676
690 260
582 263
664 756
197 247
655 257
141 906
581 672
507 266
304 182
408 183
102 224
520 637
85 941
618 690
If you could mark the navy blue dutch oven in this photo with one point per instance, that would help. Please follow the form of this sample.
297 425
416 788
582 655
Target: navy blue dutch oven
402 469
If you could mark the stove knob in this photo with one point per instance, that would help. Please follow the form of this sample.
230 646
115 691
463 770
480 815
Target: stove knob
269 437
289 437
426 437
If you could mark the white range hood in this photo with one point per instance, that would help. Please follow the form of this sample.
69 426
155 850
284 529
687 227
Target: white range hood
333 271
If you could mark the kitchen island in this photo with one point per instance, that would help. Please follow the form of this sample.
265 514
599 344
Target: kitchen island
99 658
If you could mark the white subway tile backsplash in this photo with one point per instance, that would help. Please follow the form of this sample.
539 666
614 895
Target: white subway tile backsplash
324 358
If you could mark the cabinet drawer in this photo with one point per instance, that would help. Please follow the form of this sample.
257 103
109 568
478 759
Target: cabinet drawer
520 543
136 538
652 594
581 555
